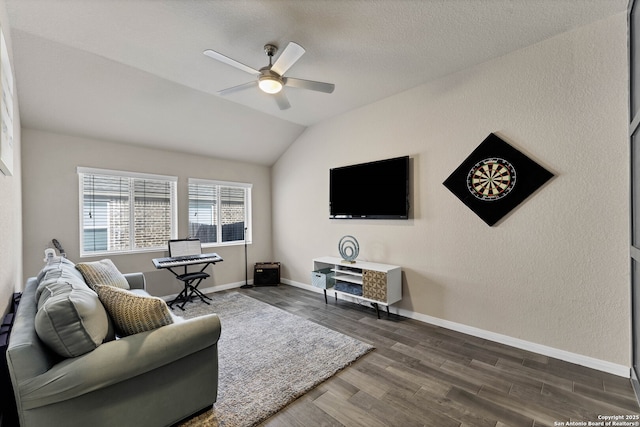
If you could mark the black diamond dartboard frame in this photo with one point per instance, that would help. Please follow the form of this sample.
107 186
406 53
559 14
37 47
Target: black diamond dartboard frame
495 178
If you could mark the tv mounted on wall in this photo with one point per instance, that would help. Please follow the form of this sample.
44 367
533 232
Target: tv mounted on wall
373 190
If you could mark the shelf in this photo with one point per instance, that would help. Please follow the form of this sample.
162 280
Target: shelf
381 283
350 272
378 284
357 279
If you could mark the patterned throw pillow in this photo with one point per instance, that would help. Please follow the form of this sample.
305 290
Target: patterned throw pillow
132 313
102 272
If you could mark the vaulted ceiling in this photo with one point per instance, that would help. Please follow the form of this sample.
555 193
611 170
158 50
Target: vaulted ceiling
134 71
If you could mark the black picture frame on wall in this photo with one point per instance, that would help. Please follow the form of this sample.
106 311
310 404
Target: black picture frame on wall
495 178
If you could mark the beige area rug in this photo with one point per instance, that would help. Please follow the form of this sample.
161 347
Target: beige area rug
267 358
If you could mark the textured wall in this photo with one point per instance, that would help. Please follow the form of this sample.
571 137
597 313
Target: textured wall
51 202
555 272
10 206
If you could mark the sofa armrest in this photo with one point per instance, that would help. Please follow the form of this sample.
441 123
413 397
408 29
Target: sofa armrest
120 360
136 280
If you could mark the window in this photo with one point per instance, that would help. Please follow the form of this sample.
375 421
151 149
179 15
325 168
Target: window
219 212
124 212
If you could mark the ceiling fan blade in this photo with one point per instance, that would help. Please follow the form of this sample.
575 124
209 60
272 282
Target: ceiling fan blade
233 89
309 84
281 100
287 58
225 59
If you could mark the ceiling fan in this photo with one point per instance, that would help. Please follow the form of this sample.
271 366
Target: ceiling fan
271 78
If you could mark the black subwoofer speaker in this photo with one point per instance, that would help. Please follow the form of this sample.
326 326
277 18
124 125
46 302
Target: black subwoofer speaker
266 274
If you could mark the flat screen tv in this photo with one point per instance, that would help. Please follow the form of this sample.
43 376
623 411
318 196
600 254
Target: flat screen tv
374 190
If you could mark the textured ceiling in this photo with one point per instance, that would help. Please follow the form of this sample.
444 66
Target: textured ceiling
133 71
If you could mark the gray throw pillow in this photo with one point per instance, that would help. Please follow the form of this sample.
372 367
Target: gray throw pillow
70 318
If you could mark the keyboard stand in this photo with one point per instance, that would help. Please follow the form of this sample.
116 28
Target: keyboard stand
191 282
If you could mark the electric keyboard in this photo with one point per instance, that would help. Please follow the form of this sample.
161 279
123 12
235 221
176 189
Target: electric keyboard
178 261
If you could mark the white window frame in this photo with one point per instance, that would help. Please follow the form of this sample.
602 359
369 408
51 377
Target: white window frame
247 210
172 180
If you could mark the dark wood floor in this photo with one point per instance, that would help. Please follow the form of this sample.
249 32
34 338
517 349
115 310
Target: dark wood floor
423 375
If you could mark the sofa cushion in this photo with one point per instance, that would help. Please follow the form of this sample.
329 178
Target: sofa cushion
62 274
133 313
58 263
70 319
102 272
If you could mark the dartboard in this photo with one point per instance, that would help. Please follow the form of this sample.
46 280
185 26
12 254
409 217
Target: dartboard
491 179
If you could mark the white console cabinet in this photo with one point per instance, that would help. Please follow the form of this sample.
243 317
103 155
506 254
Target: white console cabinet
379 284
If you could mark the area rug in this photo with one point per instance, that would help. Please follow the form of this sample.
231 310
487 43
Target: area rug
267 358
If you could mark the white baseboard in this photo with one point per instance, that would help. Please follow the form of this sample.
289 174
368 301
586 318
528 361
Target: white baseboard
567 356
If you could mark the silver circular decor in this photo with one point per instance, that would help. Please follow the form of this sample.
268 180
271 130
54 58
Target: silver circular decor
348 248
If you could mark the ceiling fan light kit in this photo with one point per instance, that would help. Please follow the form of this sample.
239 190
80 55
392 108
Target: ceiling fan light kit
269 81
271 78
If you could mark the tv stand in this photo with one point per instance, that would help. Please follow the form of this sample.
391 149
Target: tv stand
378 284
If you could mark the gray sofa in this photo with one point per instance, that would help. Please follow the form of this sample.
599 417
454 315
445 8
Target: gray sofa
153 378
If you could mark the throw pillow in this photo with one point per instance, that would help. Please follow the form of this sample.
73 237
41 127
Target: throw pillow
70 318
102 272
132 313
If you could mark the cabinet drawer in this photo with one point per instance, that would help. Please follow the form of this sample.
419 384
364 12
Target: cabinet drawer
374 285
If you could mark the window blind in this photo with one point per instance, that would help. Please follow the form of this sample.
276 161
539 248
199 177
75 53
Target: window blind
219 212
125 212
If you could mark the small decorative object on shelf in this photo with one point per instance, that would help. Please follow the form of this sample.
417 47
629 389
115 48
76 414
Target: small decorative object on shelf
348 248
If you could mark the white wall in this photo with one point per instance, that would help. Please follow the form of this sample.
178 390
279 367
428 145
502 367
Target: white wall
51 207
555 271
10 204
